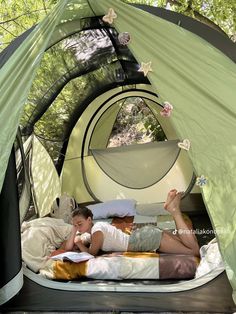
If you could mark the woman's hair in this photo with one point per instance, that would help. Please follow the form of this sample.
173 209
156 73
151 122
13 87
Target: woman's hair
82 211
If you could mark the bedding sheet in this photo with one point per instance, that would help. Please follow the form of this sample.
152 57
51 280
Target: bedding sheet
126 265
39 238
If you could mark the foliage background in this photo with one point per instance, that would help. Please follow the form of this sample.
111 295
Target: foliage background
135 123
16 16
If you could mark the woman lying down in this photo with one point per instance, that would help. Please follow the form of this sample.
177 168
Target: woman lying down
106 237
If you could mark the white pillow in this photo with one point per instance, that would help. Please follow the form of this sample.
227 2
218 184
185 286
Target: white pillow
113 208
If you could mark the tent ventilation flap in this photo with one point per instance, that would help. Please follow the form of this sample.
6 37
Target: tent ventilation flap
138 166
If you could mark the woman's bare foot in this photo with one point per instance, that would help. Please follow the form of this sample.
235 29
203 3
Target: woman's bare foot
173 207
171 195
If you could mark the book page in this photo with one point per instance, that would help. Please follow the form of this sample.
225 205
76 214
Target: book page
75 257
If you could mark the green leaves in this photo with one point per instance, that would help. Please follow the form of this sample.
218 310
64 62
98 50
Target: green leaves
16 16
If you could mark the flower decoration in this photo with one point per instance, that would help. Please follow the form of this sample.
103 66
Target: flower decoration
201 181
166 110
145 67
185 144
124 38
110 16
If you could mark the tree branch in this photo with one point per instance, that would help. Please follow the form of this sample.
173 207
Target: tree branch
20 26
44 6
19 16
6 30
198 16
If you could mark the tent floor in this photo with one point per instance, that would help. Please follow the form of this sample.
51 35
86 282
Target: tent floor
120 312
213 297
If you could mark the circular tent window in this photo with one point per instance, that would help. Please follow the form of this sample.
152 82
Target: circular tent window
137 154
104 168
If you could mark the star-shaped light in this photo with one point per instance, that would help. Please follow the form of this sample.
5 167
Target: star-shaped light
201 181
110 16
145 67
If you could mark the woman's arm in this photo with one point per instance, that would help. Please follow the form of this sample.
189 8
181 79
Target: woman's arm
69 244
95 246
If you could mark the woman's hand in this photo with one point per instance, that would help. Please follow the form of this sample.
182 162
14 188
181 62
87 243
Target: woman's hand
77 240
95 246
74 229
70 241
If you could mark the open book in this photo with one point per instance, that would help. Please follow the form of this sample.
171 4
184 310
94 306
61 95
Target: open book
75 257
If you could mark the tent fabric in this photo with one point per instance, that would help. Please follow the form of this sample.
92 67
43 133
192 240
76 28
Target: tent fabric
138 166
45 180
7 52
96 185
196 78
11 278
23 180
219 40
103 128
16 78
103 188
191 77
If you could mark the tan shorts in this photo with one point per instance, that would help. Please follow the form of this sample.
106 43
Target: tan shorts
145 239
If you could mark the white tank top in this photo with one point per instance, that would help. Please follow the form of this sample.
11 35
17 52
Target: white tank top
113 239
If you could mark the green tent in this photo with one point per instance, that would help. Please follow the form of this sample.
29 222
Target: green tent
189 69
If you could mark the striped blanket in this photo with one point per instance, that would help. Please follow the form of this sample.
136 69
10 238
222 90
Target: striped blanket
126 265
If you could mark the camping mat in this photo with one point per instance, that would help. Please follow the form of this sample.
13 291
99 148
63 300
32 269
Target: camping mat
124 265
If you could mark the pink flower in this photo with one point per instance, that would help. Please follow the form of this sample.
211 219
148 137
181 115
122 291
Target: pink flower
167 109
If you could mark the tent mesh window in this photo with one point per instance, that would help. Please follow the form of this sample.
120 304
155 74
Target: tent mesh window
135 123
137 145
138 166
72 73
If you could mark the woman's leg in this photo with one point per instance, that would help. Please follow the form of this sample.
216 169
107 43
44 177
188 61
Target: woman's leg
186 242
